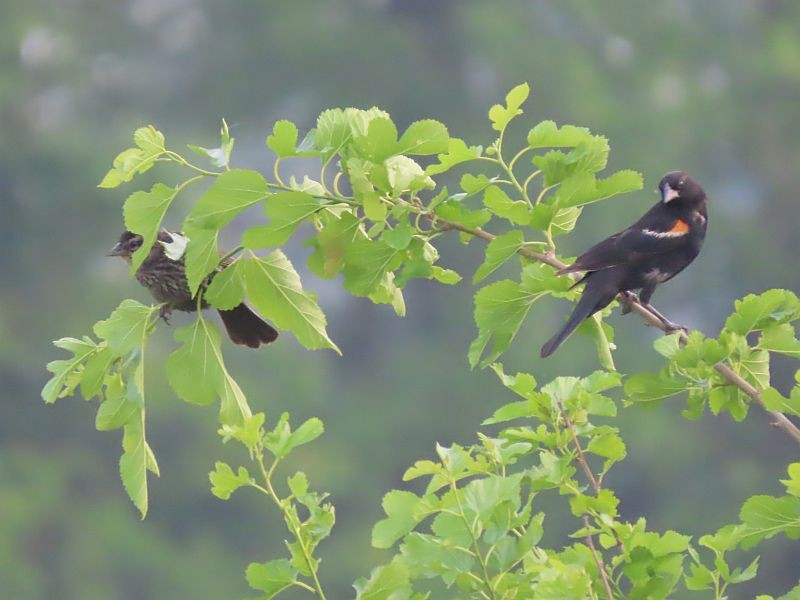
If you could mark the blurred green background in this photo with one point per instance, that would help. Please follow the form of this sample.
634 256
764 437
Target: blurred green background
709 86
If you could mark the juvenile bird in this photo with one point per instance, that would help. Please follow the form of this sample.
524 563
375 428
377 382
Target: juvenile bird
651 251
166 280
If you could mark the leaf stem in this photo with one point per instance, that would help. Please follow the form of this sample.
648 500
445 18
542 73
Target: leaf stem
290 521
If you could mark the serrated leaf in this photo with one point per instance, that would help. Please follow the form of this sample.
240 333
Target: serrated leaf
283 141
62 370
128 163
143 213
501 307
424 137
194 370
457 152
496 200
548 135
125 328
202 256
455 212
668 345
271 577
756 312
379 142
389 582
275 289
286 211
134 462
767 516
224 481
366 263
226 290
781 339
648 387
115 412
232 192
500 115
332 243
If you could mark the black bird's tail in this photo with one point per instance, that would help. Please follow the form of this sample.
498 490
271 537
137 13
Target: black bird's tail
597 295
246 328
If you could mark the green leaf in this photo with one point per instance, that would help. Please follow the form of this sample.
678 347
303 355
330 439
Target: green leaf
793 483
766 516
516 211
233 406
582 189
226 290
668 345
149 146
271 577
275 290
224 481
548 135
298 484
194 370
405 175
400 237
457 152
403 511
285 210
116 411
366 263
379 142
133 464
232 192
501 307
755 367
306 433
754 313
500 115
202 256
332 244
125 328
389 582
58 386
94 371
283 141
143 213
424 137
455 212
648 387
781 339
498 251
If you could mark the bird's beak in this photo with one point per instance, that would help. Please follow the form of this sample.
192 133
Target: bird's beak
117 250
667 193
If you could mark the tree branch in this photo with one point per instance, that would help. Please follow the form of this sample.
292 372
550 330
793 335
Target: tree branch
598 561
780 420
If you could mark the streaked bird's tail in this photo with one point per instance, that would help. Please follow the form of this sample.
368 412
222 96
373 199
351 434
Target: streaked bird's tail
246 328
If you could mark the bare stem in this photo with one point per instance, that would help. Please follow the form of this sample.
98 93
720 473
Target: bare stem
598 561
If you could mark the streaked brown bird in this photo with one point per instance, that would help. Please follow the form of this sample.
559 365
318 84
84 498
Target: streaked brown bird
166 280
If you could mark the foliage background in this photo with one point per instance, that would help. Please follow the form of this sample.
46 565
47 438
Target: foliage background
710 87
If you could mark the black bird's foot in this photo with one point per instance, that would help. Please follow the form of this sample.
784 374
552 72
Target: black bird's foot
628 300
165 312
670 327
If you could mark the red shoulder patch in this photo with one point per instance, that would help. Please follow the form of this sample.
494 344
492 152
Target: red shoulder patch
679 227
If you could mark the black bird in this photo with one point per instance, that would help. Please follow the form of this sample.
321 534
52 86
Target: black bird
651 251
166 280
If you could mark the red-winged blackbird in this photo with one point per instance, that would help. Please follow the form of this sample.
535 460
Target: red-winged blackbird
166 280
651 251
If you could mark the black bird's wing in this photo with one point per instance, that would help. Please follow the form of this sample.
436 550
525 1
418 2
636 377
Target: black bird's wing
650 235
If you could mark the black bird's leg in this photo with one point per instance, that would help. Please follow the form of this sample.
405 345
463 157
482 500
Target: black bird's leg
669 326
165 312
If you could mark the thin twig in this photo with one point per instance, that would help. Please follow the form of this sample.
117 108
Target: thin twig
781 421
598 561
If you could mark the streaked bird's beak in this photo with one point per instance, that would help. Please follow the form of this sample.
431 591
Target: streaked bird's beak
116 250
667 193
